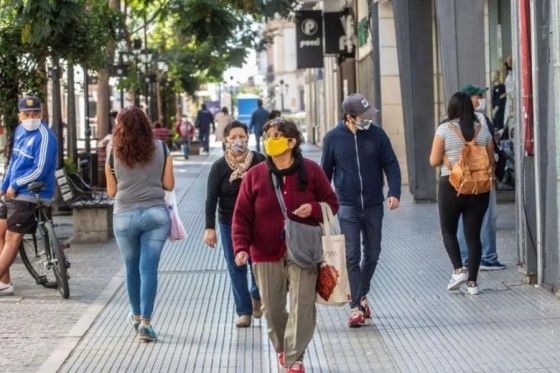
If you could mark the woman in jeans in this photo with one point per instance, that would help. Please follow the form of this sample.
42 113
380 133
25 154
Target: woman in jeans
224 181
258 233
142 172
448 142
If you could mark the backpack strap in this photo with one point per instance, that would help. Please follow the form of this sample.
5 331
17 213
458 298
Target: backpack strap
460 135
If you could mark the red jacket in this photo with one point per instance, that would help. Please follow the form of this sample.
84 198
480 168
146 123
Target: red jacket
257 219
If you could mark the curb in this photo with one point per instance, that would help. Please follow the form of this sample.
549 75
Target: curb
63 350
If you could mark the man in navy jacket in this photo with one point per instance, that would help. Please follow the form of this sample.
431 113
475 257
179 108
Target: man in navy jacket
258 119
356 154
203 121
33 159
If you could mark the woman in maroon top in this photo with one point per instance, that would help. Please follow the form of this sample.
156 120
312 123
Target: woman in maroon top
258 232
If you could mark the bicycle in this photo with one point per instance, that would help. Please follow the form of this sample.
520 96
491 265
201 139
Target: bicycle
41 251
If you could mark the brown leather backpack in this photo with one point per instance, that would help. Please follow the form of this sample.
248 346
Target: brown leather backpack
472 174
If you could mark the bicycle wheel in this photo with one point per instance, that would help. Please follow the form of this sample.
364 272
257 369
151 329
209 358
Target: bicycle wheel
59 261
35 256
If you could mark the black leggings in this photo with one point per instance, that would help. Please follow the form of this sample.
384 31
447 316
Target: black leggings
473 208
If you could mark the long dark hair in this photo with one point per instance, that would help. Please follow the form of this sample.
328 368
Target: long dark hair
460 108
132 139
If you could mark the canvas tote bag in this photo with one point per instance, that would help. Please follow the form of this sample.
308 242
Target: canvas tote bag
333 286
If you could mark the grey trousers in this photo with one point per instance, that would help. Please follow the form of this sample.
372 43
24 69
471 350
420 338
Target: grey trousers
290 331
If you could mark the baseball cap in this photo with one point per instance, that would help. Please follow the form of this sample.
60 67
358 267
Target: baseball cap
356 104
473 90
29 103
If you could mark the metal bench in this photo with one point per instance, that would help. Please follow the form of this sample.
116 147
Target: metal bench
92 208
78 194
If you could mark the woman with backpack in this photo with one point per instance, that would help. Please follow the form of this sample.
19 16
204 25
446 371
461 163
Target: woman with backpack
463 148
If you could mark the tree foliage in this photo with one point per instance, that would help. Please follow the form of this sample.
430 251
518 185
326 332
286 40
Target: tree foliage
31 32
202 38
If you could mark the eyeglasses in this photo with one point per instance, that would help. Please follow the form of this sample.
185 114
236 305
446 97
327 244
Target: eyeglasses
273 135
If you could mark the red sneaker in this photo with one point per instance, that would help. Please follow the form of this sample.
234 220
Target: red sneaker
296 367
281 359
364 306
357 318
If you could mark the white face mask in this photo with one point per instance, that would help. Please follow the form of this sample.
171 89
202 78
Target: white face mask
238 146
31 124
363 124
481 105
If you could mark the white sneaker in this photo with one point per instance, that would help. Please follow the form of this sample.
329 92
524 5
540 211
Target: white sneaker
6 289
457 279
473 289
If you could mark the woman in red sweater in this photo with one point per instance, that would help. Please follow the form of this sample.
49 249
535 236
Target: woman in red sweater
258 232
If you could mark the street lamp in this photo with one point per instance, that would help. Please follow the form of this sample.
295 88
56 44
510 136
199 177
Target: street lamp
282 95
231 94
146 57
286 85
121 71
87 128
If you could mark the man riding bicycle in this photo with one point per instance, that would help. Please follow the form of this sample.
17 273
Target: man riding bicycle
33 159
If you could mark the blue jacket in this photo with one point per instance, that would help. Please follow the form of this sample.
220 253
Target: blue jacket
258 120
357 163
33 159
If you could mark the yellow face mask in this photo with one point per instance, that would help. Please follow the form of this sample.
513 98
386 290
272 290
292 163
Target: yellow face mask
276 146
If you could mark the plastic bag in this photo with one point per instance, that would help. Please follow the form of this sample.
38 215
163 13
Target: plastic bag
177 231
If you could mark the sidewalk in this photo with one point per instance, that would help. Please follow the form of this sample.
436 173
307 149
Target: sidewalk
418 325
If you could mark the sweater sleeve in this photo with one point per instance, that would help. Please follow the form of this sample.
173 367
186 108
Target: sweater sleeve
391 167
323 193
327 159
243 217
212 196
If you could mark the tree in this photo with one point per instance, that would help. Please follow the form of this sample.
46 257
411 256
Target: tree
37 31
103 103
200 39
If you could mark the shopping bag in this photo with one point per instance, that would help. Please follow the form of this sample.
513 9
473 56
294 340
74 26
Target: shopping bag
333 286
177 231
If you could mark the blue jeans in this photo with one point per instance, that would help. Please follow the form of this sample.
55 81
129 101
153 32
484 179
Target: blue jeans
361 227
258 138
238 276
487 234
204 137
186 148
140 236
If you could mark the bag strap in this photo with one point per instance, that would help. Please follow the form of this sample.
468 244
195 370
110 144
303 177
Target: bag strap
329 223
111 159
165 154
279 196
460 134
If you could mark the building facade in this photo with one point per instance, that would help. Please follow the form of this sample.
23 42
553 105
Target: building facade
412 55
